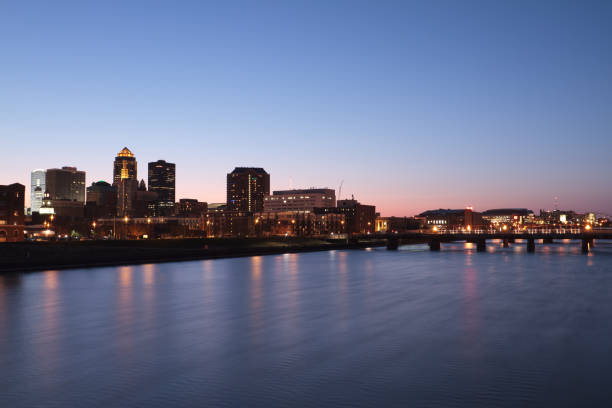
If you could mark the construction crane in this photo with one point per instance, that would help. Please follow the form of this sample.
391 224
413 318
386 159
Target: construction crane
340 190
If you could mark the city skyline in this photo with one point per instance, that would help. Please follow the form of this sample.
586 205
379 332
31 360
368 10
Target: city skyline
413 106
556 203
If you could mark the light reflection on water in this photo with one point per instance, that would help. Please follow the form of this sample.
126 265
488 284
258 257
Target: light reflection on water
341 328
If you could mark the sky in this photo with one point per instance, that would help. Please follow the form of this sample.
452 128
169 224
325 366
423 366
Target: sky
410 105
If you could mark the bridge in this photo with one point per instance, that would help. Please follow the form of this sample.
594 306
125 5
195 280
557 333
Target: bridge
480 237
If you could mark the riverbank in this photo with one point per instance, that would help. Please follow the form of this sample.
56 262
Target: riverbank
36 256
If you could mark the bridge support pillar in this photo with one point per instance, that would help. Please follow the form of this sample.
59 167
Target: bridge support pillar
481 245
392 244
587 244
506 242
434 245
511 240
547 240
530 245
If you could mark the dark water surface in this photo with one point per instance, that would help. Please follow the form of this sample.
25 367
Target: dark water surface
343 328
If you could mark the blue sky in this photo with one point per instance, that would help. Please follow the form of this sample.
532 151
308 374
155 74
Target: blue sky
415 105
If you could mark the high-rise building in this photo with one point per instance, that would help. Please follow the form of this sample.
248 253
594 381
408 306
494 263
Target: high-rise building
67 184
37 189
125 166
246 189
162 181
126 196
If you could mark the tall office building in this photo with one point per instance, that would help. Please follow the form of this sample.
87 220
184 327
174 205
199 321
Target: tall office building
246 189
37 189
125 166
162 181
67 184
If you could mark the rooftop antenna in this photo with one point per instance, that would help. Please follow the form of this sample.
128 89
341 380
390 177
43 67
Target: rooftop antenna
340 190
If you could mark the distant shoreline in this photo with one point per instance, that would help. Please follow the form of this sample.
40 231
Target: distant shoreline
40 256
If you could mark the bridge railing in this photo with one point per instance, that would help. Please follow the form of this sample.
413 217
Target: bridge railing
538 231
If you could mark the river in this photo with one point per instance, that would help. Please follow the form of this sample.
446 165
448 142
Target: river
454 328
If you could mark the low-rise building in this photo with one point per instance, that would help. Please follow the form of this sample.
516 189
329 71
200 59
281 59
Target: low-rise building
12 212
224 223
189 207
398 224
447 219
300 200
514 217
359 218
299 224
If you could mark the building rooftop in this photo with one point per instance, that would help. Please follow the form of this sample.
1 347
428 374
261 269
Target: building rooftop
305 191
125 152
441 211
247 169
507 211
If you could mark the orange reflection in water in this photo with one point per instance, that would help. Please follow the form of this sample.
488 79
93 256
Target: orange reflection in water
125 309
125 276
256 293
51 279
48 351
149 274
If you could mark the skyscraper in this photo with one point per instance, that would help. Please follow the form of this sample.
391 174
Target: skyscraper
246 189
125 166
37 189
162 181
66 184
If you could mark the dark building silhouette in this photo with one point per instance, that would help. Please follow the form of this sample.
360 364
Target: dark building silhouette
101 200
66 183
188 207
246 189
360 218
447 219
162 181
229 224
11 212
125 166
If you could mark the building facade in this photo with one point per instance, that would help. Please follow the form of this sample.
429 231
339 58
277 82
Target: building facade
11 212
398 224
189 207
101 200
511 217
246 189
360 218
125 166
229 224
37 189
299 224
67 184
300 200
162 181
447 219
